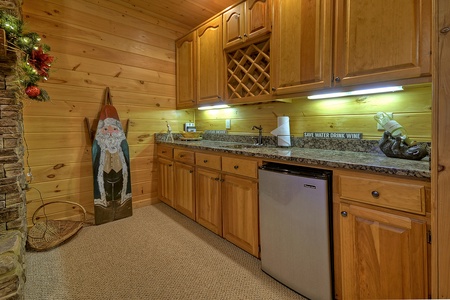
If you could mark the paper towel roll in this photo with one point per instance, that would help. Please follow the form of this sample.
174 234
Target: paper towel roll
283 132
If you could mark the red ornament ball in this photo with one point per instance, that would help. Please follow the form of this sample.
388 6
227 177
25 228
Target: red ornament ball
32 91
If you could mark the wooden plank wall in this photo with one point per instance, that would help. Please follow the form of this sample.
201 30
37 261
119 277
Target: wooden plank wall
411 108
98 43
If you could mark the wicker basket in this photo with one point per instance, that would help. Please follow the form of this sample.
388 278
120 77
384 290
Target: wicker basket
47 234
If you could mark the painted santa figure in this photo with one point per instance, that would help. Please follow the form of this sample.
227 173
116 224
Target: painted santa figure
111 163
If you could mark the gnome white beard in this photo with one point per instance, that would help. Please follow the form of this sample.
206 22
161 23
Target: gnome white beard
110 141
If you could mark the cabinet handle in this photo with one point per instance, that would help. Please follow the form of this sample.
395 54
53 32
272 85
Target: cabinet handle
190 171
170 165
205 161
375 194
236 167
274 89
181 155
164 151
216 179
245 35
337 79
445 30
344 213
240 37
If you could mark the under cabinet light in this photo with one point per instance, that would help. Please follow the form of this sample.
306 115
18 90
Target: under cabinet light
357 92
213 107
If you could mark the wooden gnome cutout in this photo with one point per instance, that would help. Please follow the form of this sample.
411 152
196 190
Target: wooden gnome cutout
111 166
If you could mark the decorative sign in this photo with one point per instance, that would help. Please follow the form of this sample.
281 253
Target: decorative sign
333 135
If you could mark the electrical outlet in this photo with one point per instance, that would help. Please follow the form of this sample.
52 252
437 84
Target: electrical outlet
391 115
227 124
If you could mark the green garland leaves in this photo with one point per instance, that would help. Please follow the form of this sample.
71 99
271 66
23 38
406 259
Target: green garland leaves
35 63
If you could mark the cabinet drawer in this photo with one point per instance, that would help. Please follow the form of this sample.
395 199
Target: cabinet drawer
208 160
183 156
240 166
401 195
165 151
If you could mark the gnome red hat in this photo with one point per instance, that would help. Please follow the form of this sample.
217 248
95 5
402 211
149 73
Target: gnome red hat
109 111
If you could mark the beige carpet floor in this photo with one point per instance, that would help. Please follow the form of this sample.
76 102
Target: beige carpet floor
155 254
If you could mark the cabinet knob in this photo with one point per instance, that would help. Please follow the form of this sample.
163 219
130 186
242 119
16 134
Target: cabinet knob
205 161
181 155
375 194
240 37
190 171
216 179
274 89
170 165
445 30
344 213
337 79
236 167
245 35
164 151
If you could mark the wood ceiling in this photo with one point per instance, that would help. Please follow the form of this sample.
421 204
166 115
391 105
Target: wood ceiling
188 13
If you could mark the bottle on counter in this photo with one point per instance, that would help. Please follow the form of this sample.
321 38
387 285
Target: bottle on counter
393 127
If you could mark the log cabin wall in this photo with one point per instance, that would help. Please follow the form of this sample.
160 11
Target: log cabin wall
411 108
98 44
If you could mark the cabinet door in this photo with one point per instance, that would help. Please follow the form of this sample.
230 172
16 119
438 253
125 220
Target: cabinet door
234 25
208 200
383 255
166 181
240 213
382 40
210 62
301 46
185 192
186 91
258 18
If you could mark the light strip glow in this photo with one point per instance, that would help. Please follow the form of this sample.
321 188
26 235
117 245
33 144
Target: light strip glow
357 92
213 107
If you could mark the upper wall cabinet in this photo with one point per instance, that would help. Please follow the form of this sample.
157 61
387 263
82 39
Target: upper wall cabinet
301 46
210 62
374 41
246 21
186 71
381 40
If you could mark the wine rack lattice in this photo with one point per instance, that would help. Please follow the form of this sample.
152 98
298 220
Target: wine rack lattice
248 71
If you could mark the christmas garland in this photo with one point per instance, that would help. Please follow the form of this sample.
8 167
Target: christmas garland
35 63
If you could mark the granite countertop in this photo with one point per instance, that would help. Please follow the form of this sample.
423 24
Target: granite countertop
366 161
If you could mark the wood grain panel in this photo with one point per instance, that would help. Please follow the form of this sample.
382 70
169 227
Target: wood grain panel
98 44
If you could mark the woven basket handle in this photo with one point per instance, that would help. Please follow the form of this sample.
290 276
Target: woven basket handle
53 202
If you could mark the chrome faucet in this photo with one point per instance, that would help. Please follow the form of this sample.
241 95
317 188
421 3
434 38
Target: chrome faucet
260 134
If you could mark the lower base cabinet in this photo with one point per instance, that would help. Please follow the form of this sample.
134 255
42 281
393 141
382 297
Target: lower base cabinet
240 213
383 255
381 240
184 192
208 200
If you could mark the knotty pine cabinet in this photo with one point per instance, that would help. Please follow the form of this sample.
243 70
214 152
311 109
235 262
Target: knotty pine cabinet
220 192
381 242
184 182
210 62
363 43
165 175
246 21
200 64
186 71
228 193
301 45
176 181
209 195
